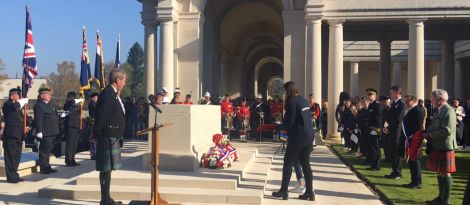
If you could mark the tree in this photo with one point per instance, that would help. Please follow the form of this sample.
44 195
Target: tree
65 80
135 61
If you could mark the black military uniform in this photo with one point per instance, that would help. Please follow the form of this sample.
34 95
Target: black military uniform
12 137
385 137
256 109
92 114
72 128
374 117
412 123
47 124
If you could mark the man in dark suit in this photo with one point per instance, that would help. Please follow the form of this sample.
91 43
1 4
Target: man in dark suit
397 111
72 127
92 114
47 126
374 116
13 134
412 123
466 121
109 131
260 113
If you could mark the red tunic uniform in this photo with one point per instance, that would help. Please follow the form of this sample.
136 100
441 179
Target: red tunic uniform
276 108
187 103
243 110
226 107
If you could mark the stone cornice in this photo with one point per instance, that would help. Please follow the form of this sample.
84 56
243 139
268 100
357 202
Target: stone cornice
191 16
314 11
165 14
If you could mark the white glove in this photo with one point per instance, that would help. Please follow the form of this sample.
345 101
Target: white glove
39 135
23 101
62 115
79 101
373 132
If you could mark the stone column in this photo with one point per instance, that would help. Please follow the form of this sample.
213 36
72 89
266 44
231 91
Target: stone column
458 82
385 66
335 75
416 58
435 67
294 48
166 54
354 79
396 76
313 56
446 73
149 62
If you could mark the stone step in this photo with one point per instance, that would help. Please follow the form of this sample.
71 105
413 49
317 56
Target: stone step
131 178
193 195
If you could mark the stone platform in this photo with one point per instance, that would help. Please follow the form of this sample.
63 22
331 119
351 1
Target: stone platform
27 164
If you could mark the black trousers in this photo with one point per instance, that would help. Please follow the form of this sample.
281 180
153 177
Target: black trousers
12 157
45 148
105 185
415 170
72 136
292 155
397 163
375 153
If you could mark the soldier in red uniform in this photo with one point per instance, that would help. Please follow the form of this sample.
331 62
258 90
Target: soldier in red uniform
187 101
276 114
177 97
243 114
226 108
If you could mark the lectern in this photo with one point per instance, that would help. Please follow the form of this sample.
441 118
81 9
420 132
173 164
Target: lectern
155 195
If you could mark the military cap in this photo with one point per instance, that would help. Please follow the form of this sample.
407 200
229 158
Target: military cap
93 95
383 98
71 94
15 91
44 90
370 91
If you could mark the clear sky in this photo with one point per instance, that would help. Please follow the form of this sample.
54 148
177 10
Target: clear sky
57 30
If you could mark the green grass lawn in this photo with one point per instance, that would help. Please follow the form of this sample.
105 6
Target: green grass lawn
393 190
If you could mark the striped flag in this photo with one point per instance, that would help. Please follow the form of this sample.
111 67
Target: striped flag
117 64
99 64
85 72
30 69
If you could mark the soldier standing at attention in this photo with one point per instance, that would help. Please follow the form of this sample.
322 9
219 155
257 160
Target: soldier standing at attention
72 127
13 134
47 126
374 122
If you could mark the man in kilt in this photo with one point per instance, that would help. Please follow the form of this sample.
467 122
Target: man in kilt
109 130
441 134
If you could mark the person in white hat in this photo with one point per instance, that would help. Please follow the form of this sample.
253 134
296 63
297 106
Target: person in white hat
206 100
166 100
261 114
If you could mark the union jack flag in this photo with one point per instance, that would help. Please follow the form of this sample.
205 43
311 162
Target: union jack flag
30 69
85 70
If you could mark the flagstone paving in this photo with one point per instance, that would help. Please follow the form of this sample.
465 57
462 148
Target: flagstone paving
334 183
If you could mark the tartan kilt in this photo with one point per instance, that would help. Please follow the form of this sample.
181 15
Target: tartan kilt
108 154
442 162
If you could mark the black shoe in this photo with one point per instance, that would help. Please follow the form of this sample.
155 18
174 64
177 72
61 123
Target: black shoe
279 194
308 196
48 171
412 186
392 176
435 201
20 180
12 181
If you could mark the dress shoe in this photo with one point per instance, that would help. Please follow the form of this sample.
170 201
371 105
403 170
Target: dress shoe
48 171
308 196
12 181
279 194
412 186
20 180
392 176
436 201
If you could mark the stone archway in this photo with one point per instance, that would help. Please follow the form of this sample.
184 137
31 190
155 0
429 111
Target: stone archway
239 37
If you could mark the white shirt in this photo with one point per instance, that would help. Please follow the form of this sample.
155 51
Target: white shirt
120 101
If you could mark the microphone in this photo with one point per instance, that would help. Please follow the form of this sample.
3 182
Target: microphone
155 107
151 98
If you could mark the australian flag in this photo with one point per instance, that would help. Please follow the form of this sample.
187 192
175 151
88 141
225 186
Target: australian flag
30 69
99 64
85 70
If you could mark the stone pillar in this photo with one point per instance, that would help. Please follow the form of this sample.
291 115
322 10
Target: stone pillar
416 58
294 48
396 76
435 67
166 54
354 79
313 57
446 73
335 75
149 62
385 66
458 80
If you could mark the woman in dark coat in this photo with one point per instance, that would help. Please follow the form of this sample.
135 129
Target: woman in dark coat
297 121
